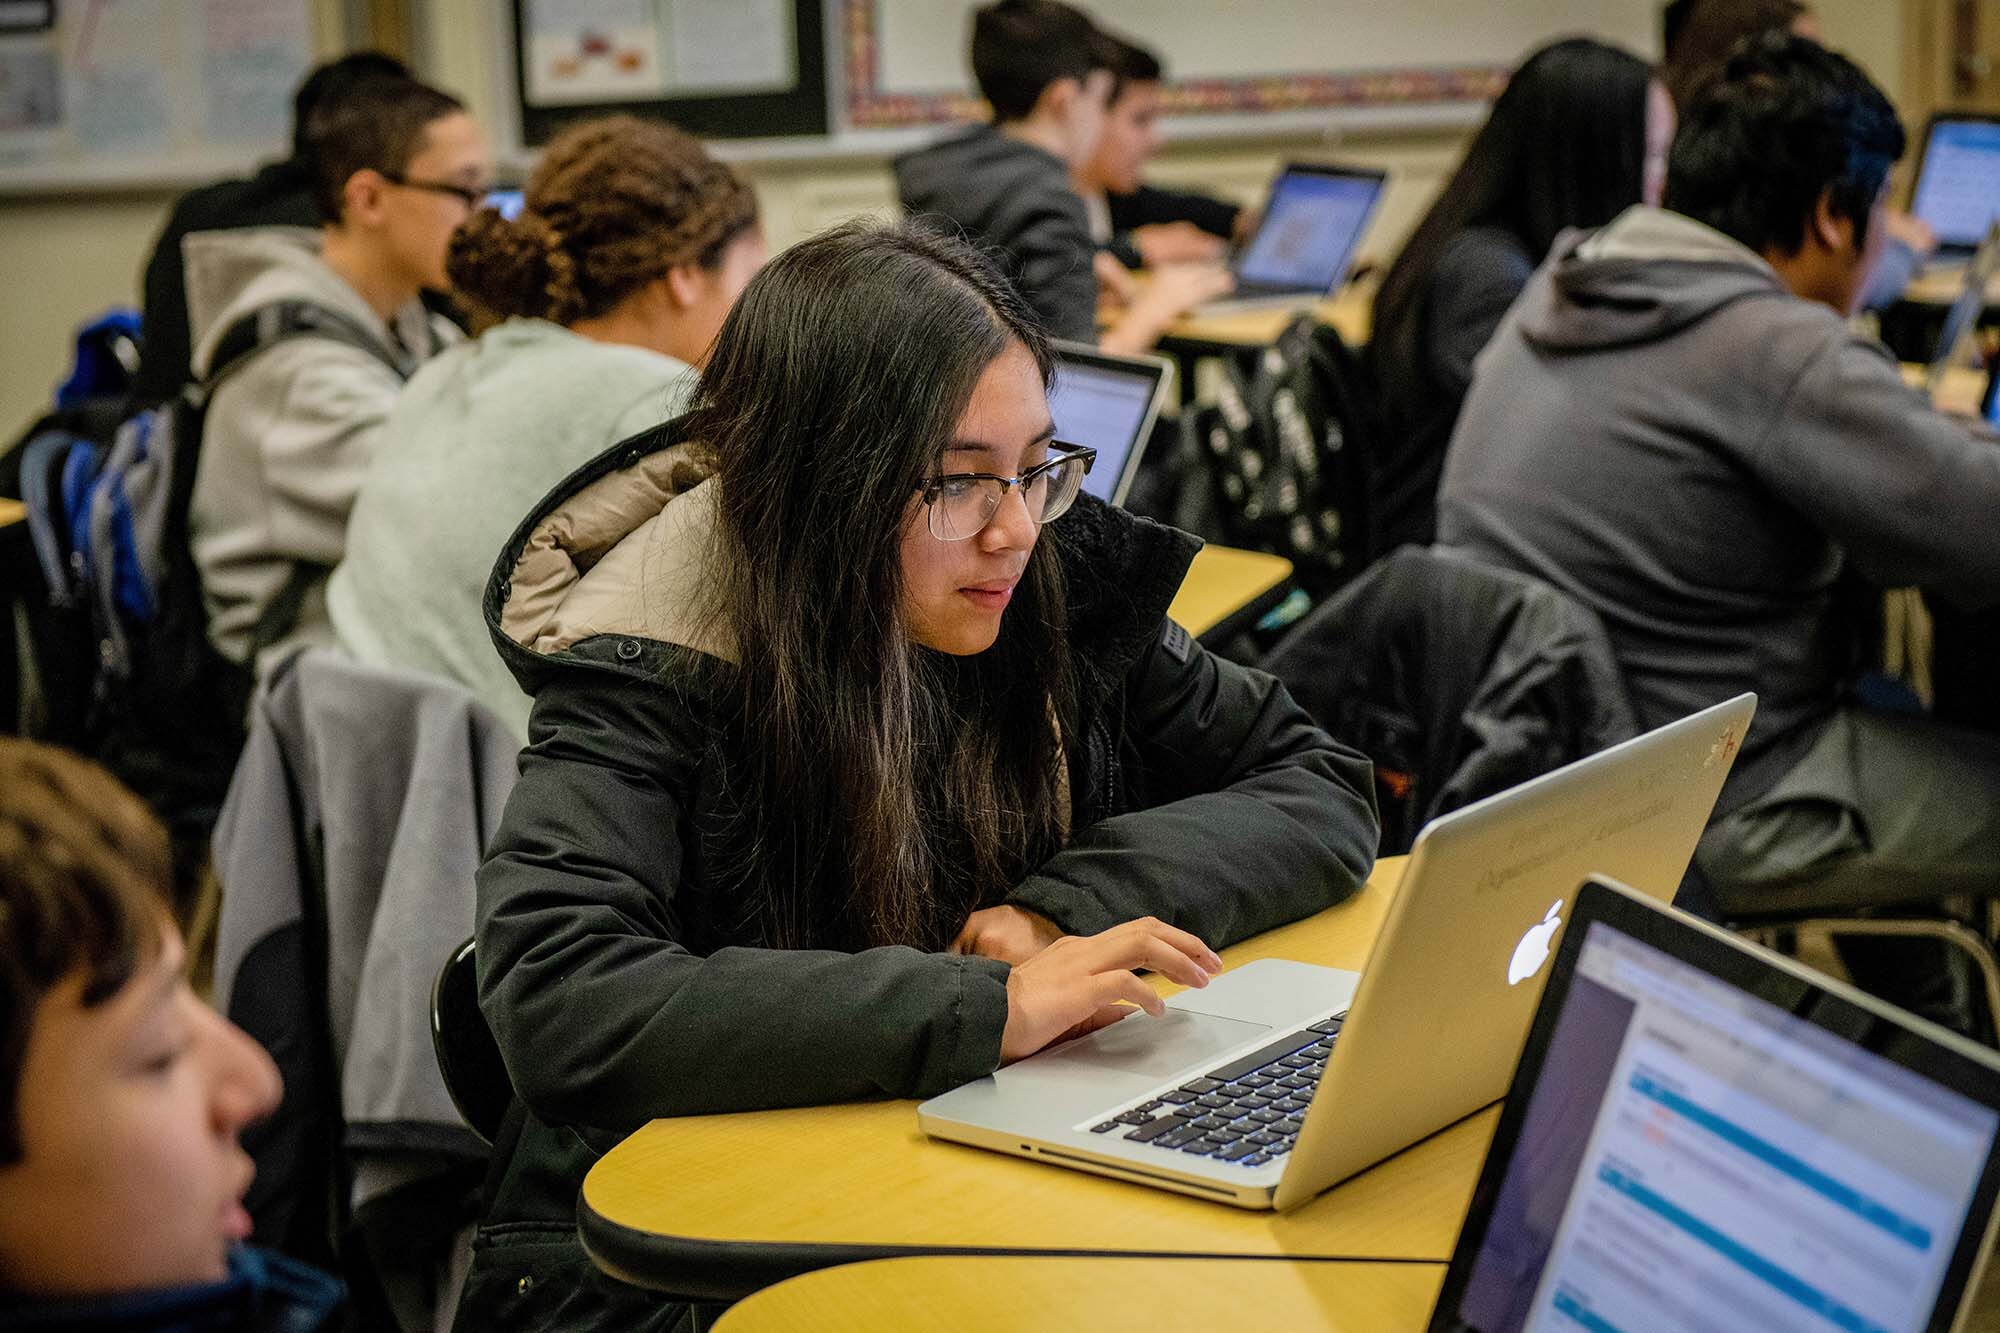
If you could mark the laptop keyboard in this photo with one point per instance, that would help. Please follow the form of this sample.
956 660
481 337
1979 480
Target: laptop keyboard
1248 1111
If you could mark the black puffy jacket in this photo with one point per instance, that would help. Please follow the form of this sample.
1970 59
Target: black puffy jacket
622 986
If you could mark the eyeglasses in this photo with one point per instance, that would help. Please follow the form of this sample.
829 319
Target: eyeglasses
468 195
963 503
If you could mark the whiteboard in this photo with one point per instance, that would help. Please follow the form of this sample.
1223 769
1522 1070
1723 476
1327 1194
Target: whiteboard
140 93
907 61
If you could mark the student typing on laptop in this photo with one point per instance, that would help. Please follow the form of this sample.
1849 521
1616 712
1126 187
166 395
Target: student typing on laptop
848 777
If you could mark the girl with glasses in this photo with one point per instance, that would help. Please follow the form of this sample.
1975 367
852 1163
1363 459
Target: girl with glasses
863 757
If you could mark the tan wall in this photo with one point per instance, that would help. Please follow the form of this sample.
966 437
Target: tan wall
62 260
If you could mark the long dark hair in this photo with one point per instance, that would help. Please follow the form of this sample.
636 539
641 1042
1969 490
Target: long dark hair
1564 146
873 792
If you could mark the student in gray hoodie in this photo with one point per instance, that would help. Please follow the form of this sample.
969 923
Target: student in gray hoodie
1677 425
288 434
1045 69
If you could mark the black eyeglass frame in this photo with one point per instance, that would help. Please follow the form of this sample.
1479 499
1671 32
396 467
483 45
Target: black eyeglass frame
932 486
469 196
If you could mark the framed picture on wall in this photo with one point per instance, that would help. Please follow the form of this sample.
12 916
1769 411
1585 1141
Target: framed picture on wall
728 69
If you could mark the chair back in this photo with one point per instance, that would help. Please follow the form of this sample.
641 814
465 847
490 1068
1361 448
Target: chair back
1457 679
467 1055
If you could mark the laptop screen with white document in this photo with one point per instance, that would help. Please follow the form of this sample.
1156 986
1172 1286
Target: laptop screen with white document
1312 221
1691 1154
1107 403
1958 182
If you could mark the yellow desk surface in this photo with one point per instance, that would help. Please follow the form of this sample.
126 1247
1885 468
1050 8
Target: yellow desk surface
1351 314
1961 391
1941 285
12 512
1221 580
718 1206
985 1294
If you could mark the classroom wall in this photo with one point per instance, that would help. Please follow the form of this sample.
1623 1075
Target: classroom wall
64 259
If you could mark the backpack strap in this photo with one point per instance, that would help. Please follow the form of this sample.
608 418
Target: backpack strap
281 321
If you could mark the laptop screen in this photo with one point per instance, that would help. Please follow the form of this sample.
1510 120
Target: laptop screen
1312 222
508 202
1958 187
1693 1156
1108 406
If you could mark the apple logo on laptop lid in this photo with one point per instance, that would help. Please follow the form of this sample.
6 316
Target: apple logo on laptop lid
1533 949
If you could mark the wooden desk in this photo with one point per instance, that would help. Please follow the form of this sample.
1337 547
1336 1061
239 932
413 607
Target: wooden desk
1961 392
993 1293
1223 583
1351 313
716 1207
1941 284
12 512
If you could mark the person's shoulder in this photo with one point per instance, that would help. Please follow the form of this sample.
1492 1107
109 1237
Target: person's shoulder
1486 252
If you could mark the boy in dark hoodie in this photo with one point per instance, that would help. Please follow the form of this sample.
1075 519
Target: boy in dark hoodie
1045 69
1677 425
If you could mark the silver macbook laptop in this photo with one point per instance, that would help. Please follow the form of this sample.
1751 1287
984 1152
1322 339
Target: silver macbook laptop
1313 219
1282 1078
1705 1135
1958 179
1108 403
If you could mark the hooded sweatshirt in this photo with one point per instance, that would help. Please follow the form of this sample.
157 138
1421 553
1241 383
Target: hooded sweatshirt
290 433
1013 197
479 436
1663 430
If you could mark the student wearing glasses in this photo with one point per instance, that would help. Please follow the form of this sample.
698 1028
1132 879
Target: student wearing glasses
396 166
863 757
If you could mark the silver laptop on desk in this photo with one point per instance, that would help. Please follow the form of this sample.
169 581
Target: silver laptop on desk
1957 193
1282 1078
1108 403
1961 320
1314 217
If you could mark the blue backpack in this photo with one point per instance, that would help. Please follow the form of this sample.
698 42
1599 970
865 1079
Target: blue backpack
146 691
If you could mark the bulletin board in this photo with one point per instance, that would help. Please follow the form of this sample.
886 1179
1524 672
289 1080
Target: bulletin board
145 93
905 60
724 69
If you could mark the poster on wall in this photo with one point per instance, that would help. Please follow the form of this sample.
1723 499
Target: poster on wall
585 52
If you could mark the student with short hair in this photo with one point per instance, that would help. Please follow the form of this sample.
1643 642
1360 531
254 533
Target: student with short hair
1677 425
279 195
1043 67
121 1093
630 248
863 756
288 435
1146 226
1707 32
1579 134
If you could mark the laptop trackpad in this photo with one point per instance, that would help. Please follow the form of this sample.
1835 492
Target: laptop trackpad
1152 1047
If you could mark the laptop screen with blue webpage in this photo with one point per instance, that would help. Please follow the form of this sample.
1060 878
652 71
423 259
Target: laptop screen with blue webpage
1693 1156
1312 222
1958 185
1108 404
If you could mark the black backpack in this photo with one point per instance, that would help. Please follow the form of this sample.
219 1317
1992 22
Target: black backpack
1278 462
124 655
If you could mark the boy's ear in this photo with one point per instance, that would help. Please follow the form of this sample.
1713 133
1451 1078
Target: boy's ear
1058 98
684 285
361 199
1832 231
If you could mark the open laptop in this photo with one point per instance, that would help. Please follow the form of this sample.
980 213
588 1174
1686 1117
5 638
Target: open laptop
1703 1134
1958 180
1108 403
1313 219
1224 1098
1961 321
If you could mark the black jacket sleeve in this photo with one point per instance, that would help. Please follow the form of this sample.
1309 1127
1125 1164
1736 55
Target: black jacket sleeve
1268 818
606 1019
1150 205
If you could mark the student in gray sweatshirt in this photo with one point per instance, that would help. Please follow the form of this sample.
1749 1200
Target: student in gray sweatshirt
1677 425
632 245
